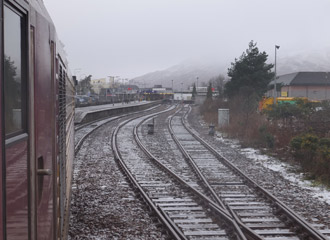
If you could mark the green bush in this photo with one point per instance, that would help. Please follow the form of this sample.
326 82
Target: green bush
266 137
310 142
313 154
295 143
325 142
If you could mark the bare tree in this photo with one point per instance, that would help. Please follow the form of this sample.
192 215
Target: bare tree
218 84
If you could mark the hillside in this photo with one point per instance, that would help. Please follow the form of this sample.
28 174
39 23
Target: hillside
305 61
187 72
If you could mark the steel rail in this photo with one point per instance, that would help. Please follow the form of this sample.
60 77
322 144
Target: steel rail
239 226
221 213
193 164
310 230
163 218
81 140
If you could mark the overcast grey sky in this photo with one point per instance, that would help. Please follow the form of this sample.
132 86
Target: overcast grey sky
131 37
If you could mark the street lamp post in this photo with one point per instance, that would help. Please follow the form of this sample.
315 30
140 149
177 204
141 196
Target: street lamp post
111 78
197 86
275 92
182 92
172 89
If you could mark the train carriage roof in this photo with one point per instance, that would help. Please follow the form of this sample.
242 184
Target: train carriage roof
39 7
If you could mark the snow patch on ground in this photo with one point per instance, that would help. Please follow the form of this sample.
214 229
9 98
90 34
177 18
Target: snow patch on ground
276 165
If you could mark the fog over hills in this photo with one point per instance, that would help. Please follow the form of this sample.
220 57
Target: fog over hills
183 75
317 60
187 72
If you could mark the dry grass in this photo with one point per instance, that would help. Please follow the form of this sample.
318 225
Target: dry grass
253 129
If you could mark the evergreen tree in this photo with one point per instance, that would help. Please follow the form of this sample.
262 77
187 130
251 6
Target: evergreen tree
194 91
250 70
218 83
209 91
84 86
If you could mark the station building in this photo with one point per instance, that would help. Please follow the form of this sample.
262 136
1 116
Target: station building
313 85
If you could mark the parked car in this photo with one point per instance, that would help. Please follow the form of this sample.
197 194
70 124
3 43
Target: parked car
94 99
81 100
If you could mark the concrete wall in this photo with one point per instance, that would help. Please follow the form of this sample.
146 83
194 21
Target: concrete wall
223 117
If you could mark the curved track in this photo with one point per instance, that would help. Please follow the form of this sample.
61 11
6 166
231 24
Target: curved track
84 130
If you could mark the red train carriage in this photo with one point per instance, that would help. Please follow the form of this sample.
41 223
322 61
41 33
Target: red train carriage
37 110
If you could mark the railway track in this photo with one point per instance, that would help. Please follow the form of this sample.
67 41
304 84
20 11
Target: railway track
204 198
249 204
186 213
104 206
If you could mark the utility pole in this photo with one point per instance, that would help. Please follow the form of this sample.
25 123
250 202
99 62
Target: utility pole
197 86
182 92
172 89
275 90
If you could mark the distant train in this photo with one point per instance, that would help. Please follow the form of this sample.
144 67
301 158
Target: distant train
37 132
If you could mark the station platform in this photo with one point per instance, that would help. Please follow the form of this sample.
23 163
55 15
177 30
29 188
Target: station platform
91 113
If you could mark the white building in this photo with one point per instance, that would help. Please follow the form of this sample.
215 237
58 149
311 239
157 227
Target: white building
97 84
182 96
199 90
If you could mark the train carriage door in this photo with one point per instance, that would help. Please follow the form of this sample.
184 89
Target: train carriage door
15 126
44 128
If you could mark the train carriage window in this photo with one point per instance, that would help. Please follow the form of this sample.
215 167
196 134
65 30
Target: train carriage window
14 80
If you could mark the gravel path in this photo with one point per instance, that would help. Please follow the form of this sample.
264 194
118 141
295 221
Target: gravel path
302 200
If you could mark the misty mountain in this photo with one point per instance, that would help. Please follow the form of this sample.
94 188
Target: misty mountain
187 72
304 61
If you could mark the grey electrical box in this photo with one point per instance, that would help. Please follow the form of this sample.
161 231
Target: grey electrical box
223 117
